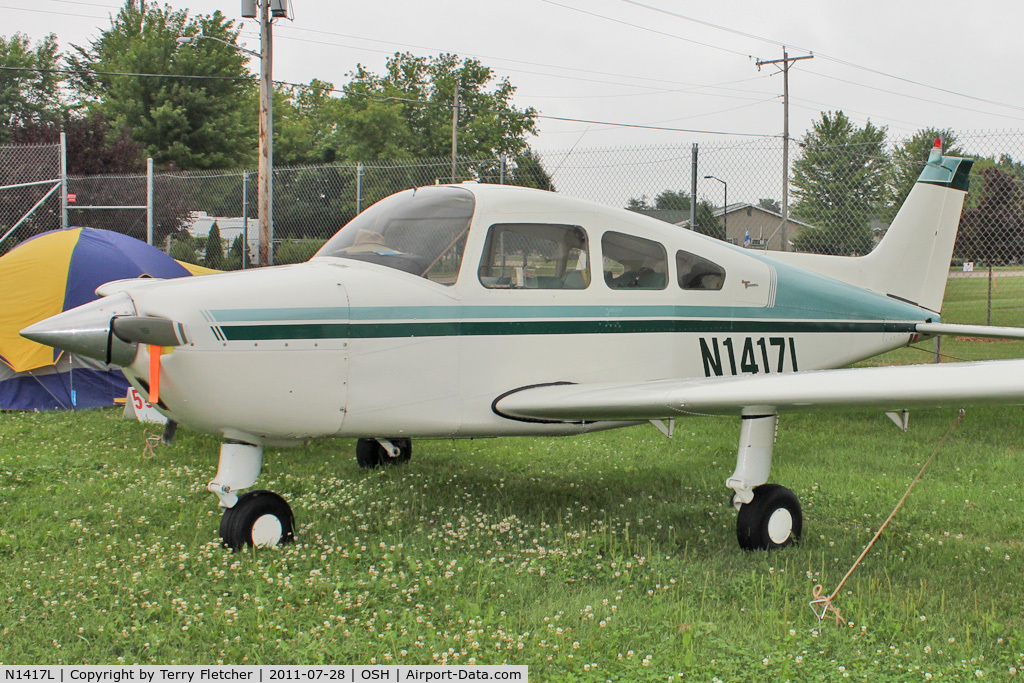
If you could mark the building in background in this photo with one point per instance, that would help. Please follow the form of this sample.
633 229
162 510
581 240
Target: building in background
762 225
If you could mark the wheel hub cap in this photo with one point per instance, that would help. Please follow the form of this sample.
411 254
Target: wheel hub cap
780 526
267 531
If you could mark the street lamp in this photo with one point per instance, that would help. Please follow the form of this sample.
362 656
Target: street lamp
725 204
265 173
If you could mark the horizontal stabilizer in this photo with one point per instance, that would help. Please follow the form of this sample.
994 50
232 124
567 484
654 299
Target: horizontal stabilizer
890 388
971 330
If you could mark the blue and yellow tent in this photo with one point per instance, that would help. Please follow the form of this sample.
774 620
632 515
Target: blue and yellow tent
50 273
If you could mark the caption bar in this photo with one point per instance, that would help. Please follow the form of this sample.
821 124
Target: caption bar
260 674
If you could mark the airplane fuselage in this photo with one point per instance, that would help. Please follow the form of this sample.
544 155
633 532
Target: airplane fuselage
345 347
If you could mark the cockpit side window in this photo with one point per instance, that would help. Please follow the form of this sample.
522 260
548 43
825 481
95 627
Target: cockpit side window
697 272
633 262
535 256
420 231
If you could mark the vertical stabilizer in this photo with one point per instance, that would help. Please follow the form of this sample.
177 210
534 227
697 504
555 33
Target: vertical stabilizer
911 262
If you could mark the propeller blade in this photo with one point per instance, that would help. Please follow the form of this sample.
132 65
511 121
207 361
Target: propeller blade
149 330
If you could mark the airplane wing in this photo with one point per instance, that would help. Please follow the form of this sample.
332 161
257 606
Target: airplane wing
891 388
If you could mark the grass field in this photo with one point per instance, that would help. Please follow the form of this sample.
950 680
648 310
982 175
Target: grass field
606 557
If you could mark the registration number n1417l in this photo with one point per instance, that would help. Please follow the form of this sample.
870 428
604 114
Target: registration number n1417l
747 355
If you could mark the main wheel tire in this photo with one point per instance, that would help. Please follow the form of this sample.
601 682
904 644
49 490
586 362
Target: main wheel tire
771 521
370 454
259 518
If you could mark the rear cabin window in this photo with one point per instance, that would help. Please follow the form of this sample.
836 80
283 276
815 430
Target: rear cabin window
535 256
633 262
696 272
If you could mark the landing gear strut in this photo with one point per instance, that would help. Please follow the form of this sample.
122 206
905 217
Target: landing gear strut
257 518
769 514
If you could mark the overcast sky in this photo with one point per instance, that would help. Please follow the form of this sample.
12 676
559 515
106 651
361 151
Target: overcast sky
618 61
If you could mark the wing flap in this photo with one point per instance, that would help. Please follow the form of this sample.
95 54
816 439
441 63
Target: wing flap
891 387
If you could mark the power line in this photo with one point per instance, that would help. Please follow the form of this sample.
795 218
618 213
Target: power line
535 115
47 11
913 97
89 4
350 93
644 28
822 55
493 58
90 72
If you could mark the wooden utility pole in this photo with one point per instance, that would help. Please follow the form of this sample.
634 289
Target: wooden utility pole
785 62
265 173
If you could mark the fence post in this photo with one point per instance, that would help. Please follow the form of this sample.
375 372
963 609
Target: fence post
149 201
501 181
359 187
693 188
63 180
988 311
245 220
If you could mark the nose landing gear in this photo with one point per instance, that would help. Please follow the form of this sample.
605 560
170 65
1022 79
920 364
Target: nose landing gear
257 518
769 515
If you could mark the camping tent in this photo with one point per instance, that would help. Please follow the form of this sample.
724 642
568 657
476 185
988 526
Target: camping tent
50 273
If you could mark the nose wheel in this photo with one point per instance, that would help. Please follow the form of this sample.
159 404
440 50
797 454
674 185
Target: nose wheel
772 520
260 519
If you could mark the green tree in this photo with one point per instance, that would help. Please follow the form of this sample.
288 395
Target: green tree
29 85
233 261
666 200
92 147
305 118
992 231
407 112
639 204
676 201
213 255
840 185
525 170
770 204
198 111
670 200
182 247
908 161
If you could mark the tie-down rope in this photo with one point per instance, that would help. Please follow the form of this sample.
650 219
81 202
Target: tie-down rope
822 606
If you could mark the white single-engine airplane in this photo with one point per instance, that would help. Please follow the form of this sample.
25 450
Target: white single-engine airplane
478 310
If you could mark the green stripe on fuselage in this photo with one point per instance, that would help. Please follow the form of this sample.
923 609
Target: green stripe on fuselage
378 330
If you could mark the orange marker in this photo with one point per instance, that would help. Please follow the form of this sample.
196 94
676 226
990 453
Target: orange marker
154 373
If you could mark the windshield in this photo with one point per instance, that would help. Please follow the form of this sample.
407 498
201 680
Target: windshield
421 231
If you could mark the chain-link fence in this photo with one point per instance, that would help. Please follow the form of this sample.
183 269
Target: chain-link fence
30 197
841 198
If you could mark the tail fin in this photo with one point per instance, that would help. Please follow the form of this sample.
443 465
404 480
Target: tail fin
911 262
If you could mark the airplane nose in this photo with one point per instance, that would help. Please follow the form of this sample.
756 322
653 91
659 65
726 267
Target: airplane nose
86 330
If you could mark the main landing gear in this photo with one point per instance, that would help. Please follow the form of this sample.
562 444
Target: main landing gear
373 453
769 514
257 518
